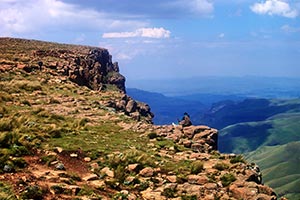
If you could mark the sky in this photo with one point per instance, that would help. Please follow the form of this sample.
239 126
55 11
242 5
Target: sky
169 39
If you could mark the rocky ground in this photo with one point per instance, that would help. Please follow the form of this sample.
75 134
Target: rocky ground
66 133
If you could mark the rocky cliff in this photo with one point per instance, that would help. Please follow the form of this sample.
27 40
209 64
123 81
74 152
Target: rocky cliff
62 140
84 65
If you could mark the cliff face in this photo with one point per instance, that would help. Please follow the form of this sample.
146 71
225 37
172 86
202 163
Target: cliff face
63 141
84 65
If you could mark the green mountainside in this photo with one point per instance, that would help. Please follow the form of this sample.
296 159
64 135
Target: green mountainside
269 136
280 167
69 131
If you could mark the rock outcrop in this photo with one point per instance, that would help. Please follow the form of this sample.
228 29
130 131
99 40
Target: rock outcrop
94 69
87 66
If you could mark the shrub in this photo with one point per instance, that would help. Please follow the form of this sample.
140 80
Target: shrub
6 125
143 186
56 133
227 179
221 166
188 197
6 192
19 162
237 159
33 192
85 190
26 102
169 192
152 135
54 101
196 167
120 174
7 139
48 159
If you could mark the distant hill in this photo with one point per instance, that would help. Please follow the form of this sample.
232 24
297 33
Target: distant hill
227 113
280 167
267 131
167 109
249 86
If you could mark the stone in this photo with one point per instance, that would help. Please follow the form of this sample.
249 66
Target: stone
187 143
190 189
211 186
132 196
148 194
7 168
172 179
87 159
94 166
131 106
97 183
59 149
60 166
108 172
147 172
197 179
266 190
90 177
133 167
242 192
73 155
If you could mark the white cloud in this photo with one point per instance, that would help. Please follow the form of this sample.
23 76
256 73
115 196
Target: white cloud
201 6
44 16
141 32
274 7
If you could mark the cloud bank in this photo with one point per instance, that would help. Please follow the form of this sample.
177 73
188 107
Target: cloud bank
274 7
36 16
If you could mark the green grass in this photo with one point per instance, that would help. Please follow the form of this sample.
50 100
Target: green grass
280 167
6 192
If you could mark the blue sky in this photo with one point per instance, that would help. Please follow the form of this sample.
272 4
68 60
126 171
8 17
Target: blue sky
161 39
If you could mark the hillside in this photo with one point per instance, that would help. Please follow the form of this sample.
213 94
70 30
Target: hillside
69 131
275 162
264 130
226 113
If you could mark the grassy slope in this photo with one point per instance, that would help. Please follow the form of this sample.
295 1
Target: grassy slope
280 167
268 141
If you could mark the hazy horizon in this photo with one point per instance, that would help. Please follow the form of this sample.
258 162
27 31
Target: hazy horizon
243 85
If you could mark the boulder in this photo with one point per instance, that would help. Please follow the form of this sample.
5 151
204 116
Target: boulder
147 172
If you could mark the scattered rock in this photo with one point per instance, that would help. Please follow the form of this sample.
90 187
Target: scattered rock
87 159
108 172
133 167
7 168
90 177
147 172
172 179
73 155
60 166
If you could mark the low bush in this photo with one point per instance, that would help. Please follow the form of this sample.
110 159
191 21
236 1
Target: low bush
237 159
221 166
227 179
196 167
